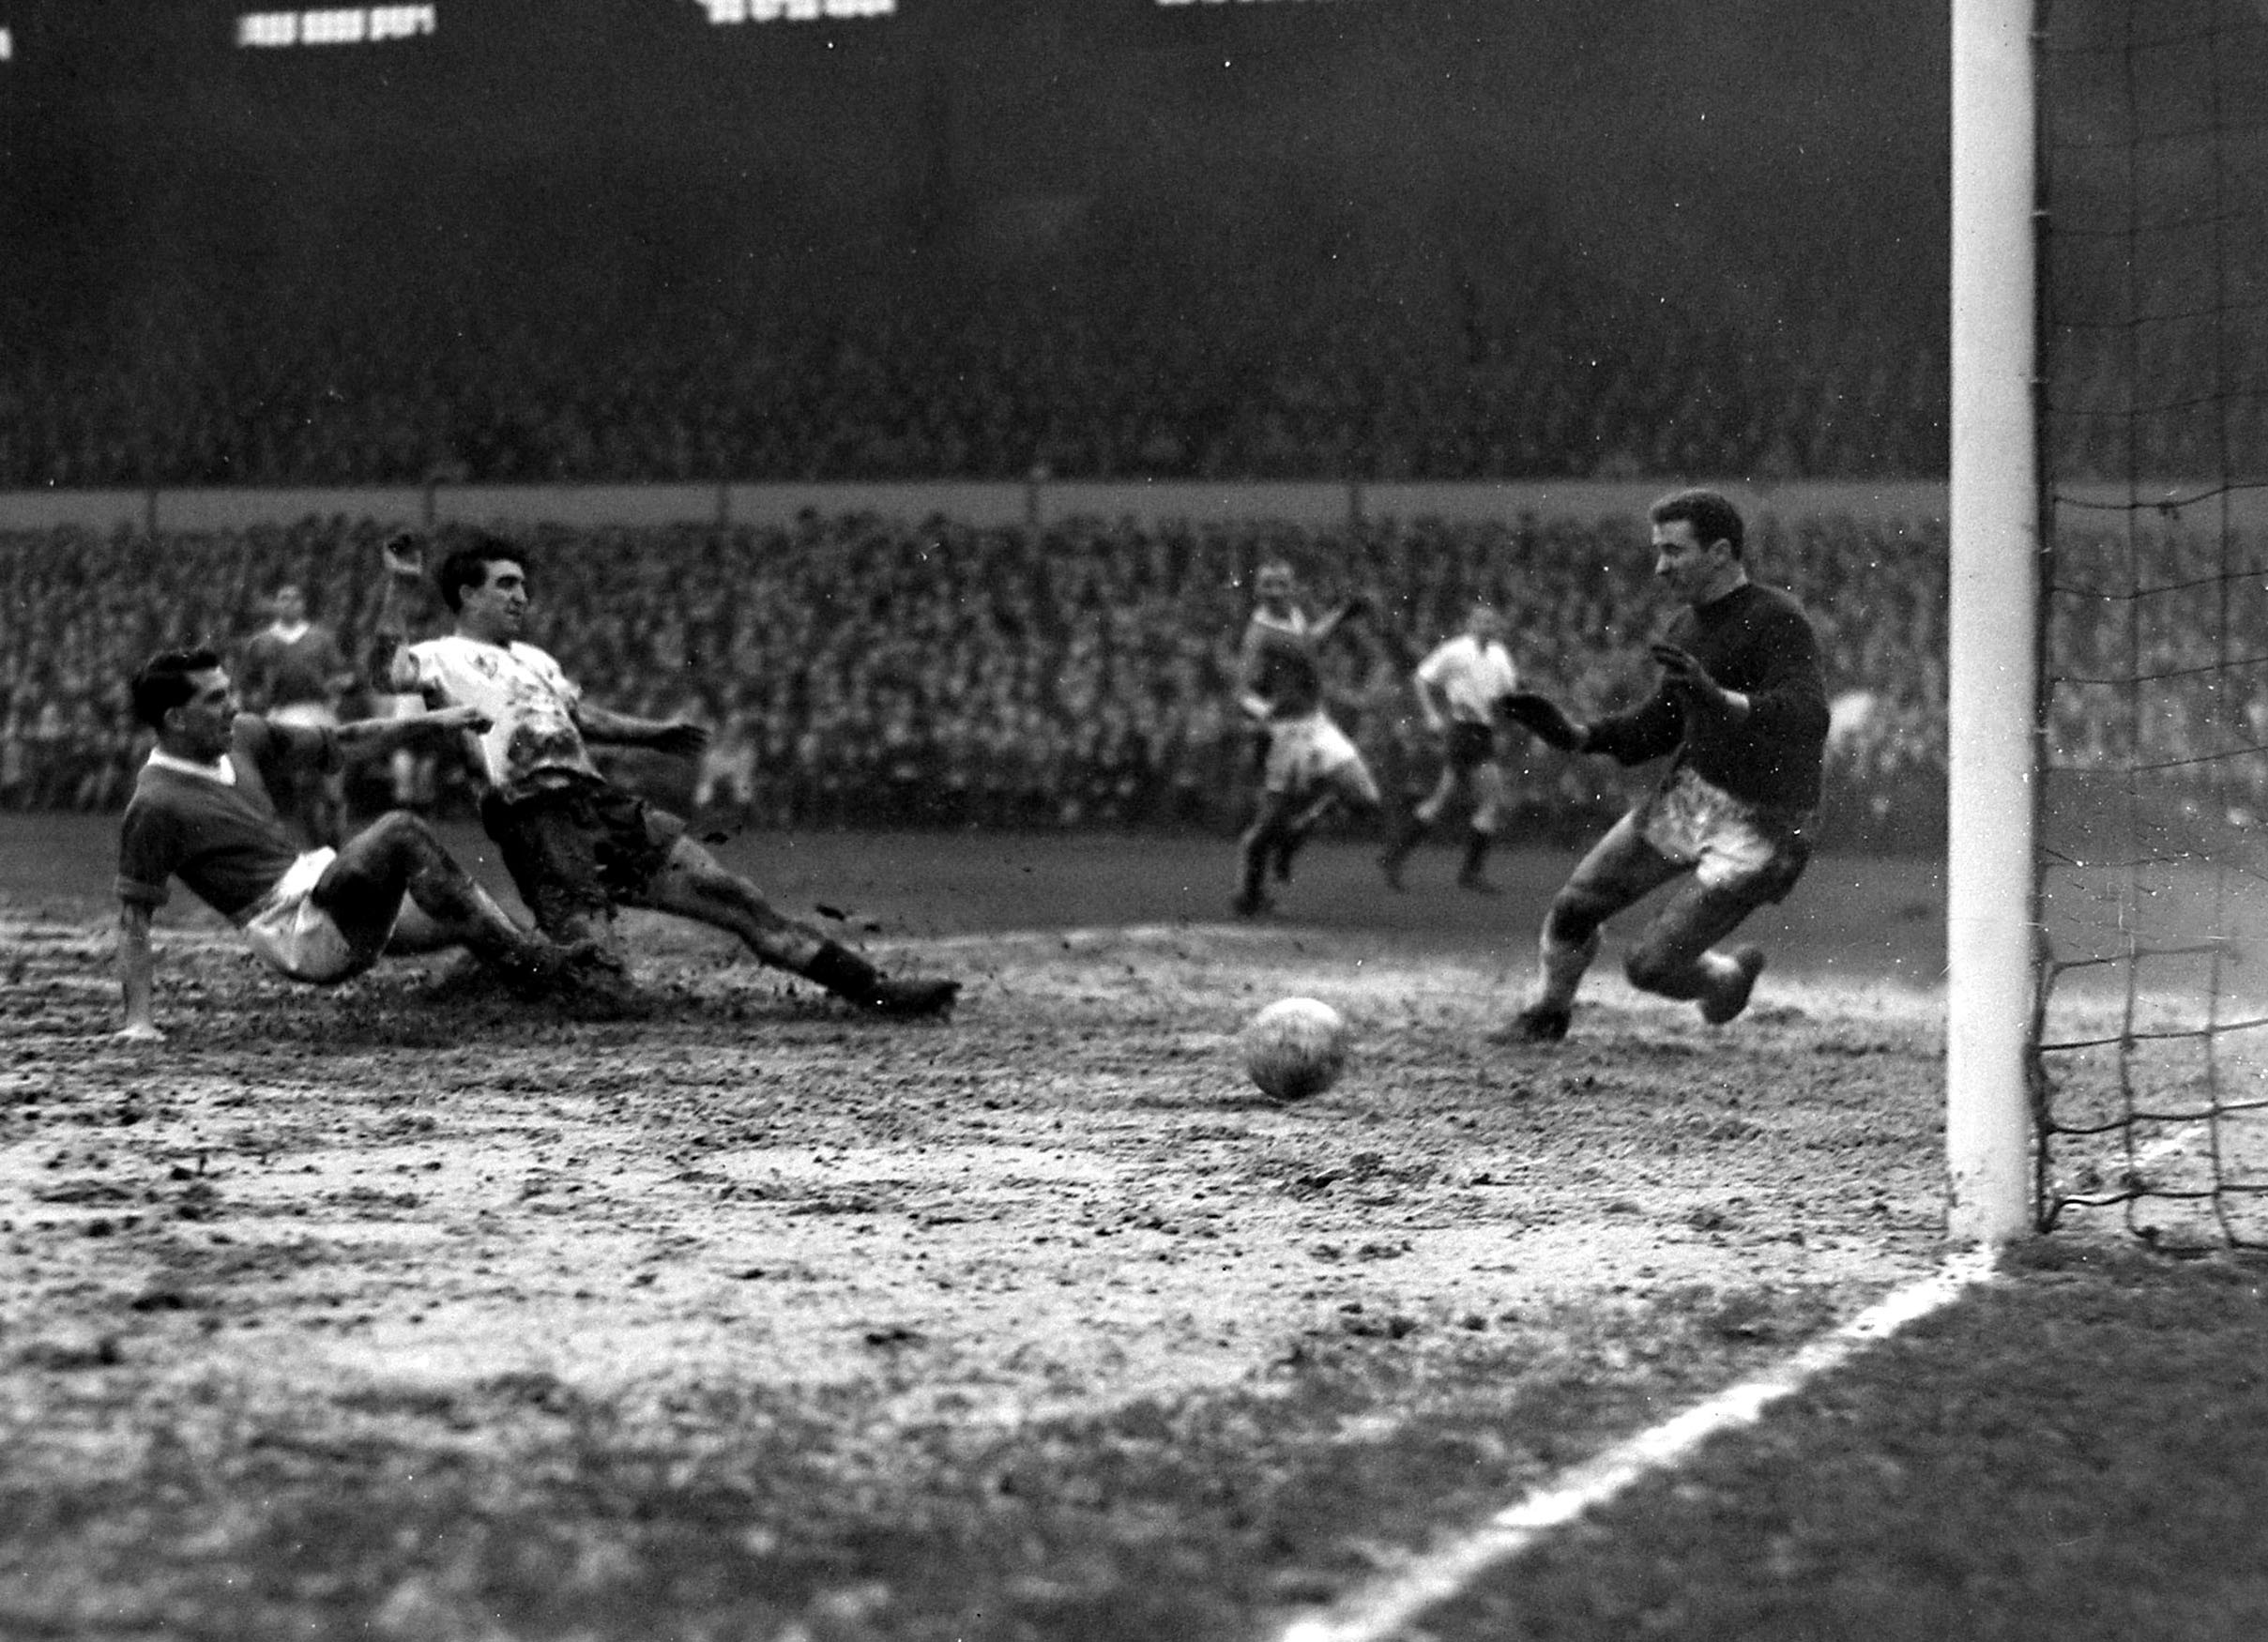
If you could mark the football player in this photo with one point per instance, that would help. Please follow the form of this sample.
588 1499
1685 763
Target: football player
203 811
1739 709
1461 685
577 844
1310 768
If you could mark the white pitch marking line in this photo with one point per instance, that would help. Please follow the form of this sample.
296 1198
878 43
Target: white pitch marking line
1380 1610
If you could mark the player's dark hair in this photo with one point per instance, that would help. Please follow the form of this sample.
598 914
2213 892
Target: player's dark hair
1714 518
163 683
468 563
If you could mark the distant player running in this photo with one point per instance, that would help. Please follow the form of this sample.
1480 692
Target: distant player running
202 811
1311 768
576 845
1461 686
1741 706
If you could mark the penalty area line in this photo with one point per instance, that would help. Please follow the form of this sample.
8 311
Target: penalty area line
1382 1609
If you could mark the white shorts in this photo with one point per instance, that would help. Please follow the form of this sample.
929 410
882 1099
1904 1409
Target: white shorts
295 937
1727 840
1302 751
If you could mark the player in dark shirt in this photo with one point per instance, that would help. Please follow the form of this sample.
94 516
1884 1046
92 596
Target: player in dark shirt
204 811
1740 710
1310 766
293 671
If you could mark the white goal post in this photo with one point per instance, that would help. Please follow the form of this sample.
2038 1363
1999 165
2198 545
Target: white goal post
1993 517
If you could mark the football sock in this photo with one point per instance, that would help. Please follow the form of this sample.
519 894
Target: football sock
1563 968
1477 844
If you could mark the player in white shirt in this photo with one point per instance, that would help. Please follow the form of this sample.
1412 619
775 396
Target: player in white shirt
1459 687
577 845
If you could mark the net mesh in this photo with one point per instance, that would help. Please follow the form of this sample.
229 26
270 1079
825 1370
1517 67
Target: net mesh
2150 1038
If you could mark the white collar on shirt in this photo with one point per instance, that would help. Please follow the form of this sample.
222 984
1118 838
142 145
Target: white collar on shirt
220 769
290 635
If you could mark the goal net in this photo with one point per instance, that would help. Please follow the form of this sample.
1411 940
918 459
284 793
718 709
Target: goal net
2149 1048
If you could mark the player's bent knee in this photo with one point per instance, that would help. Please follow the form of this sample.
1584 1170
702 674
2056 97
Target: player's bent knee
1574 918
399 829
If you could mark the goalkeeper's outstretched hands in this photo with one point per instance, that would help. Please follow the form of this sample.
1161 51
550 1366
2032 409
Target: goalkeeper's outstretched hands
1543 718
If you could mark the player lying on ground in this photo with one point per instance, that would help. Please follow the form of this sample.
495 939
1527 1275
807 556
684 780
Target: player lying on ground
1741 706
576 845
1311 768
1459 685
202 811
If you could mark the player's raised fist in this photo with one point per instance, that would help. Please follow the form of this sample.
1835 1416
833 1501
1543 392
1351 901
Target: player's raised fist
405 554
1543 717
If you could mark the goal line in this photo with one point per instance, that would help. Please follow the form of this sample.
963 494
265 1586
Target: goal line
1378 1612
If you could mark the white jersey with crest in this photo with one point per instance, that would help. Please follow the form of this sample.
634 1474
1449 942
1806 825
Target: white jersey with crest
529 703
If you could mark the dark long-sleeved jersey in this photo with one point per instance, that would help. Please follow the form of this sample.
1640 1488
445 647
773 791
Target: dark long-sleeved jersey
1280 665
1758 641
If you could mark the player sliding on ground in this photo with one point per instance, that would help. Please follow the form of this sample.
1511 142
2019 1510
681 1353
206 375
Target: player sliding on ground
576 845
202 811
1741 706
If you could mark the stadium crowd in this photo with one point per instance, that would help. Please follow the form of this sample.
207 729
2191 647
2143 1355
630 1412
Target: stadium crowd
1520 360
1526 365
859 671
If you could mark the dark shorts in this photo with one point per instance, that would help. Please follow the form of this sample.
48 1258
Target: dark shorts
1471 745
579 850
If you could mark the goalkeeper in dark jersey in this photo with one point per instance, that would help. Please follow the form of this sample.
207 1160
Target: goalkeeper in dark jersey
1741 708
1311 768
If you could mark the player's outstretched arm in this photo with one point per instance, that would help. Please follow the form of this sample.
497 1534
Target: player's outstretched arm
1433 707
136 974
372 736
679 738
1324 626
1547 720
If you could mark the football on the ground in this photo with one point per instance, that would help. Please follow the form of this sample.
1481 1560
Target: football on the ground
1295 1048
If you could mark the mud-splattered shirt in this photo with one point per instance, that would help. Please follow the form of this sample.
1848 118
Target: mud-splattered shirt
529 703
